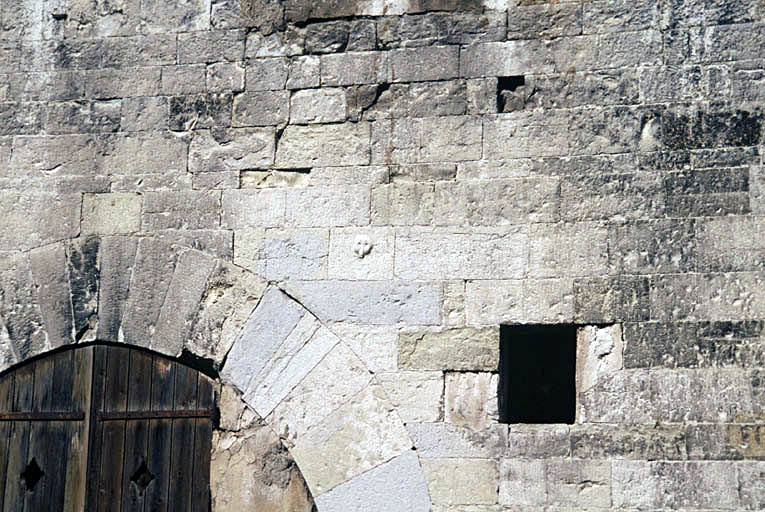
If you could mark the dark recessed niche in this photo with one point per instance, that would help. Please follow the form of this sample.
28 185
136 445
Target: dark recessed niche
537 373
508 97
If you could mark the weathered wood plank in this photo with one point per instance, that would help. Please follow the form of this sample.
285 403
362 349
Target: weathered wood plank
183 439
41 439
160 434
95 429
23 394
113 447
6 403
137 432
77 462
200 497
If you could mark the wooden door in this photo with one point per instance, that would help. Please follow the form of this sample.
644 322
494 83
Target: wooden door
105 428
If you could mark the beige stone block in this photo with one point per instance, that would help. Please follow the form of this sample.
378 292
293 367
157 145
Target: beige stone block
361 253
453 308
470 399
375 345
111 214
599 351
416 396
462 481
324 145
494 302
329 385
452 349
359 436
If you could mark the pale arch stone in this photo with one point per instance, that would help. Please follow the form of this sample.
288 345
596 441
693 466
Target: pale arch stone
305 381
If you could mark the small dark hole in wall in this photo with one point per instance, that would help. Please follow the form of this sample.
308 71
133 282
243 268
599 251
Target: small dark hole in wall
31 475
507 92
537 365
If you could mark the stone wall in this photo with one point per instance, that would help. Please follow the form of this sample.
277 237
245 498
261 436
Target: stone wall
338 203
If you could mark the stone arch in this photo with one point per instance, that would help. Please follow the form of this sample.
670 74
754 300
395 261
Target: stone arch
289 367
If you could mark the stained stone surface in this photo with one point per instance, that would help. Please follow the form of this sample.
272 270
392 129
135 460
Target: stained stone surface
321 199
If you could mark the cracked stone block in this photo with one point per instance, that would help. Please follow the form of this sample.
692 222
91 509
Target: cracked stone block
231 150
599 351
470 399
357 437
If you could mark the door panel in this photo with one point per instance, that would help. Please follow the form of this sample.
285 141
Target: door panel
137 424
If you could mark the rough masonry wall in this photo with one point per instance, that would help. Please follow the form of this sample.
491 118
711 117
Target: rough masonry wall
415 173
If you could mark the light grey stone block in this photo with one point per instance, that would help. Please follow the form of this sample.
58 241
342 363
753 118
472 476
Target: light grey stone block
396 486
517 135
428 254
261 108
304 72
369 302
427 140
320 207
424 64
417 396
327 145
445 440
311 106
266 328
117 260
507 58
181 210
211 46
462 481
49 272
252 208
361 253
28 222
278 254
470 399
354 68
232 150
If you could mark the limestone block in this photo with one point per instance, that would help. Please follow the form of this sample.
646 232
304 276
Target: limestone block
757 189
735 42
252 208
427 140
111 214
507 58
625 49
634 405
181 210
361 253
571 249
183 79
538 441
261 108
117 260
548 300
300 352
327 37
424 64
138 50
183 17
354 68
182 300
417 396
653 246
646 442
211 46
617 17
522 482
228 301
359 436
304 72
545 21
423 99
279 254
252 470
395 486
441 254
327 145
215 242
375 345
49 273
445 440
470 399
599 351
453 305
318 106
462 481
320 206
62 154
640 484
202 111
752 494
150 181
602 300
28 222
731 244
152 273
578 483
233 150
466 348
482 95
267 327
403 204
494 302
24 327
517 135
143 114
225 77
82 258
369 302
144 152
338 378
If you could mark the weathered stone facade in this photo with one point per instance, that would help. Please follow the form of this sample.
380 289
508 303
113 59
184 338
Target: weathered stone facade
336 204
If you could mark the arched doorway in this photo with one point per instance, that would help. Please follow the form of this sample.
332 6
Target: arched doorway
105 427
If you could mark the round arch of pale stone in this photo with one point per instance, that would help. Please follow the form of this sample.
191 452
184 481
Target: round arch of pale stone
304 381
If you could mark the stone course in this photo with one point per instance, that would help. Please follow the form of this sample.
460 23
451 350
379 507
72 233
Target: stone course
336 204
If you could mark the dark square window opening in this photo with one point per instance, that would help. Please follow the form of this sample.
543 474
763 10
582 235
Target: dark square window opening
537 366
